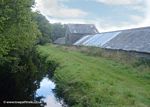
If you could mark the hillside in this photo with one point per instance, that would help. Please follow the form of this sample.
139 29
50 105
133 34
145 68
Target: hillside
93 81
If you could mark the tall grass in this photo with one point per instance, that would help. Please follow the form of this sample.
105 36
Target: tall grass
131 59
91 77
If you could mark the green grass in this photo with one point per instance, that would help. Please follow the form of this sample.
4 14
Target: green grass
88 81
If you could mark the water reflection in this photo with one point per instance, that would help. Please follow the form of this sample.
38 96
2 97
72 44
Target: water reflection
20 86
21 77
46 90
52 102
46 87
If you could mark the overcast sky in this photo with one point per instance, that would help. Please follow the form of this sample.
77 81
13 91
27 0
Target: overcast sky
107 15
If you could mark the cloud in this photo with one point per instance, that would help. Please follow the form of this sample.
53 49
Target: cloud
135 20
146 20
55 8
141 21
60 13
119 2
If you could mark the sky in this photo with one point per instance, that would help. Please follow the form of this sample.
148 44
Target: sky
107 15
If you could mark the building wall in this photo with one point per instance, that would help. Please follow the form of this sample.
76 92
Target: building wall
71 38
67 37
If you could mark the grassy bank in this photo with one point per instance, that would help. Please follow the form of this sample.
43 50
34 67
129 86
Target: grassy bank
88 81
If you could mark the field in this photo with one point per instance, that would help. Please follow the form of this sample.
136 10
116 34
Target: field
86 80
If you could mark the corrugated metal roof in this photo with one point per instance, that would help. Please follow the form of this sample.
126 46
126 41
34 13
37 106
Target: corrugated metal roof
132 39
82 28
97 40
100 39
82 40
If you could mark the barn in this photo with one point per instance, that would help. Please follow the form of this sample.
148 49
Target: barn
137 40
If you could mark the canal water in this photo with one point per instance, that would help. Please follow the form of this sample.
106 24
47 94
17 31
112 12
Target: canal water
28 87
46 90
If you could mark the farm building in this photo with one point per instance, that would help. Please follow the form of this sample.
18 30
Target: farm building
76 31
129 40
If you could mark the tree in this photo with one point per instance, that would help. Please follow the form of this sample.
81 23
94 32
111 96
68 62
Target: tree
18 36
18 31
58 31
44 27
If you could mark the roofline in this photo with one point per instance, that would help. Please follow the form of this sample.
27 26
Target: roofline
67 26
125 29
79 24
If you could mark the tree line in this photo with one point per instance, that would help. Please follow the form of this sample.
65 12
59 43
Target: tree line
50 32
20 31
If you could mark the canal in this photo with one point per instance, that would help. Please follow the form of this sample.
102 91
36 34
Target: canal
46 90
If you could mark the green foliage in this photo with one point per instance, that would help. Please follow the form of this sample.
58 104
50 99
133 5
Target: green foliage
24 80
19 75
44 27
58 31
89 81
17 30
14 12
50 32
